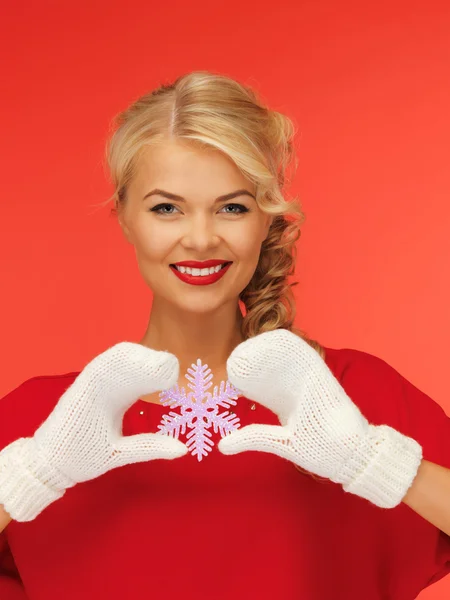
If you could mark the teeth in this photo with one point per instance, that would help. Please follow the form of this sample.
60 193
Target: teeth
199 272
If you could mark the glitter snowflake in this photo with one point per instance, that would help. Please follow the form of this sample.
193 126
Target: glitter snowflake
199 410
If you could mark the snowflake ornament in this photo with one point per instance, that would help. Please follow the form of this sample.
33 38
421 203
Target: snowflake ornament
199 410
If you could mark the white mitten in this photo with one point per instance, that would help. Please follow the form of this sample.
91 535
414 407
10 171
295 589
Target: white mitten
322 430
82 437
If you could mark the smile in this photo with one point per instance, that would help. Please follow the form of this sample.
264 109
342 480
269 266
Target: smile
204 276
200 272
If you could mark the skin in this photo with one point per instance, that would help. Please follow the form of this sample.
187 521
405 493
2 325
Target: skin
192 321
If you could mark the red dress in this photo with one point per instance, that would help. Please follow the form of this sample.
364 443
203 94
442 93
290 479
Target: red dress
248 526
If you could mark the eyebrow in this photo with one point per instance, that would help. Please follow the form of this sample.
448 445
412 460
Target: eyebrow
223 198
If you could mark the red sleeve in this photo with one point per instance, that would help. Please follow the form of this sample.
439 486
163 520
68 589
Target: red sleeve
11 586
27 406
22 411
16 420
384 396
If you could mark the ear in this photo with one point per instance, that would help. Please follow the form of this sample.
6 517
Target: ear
125 230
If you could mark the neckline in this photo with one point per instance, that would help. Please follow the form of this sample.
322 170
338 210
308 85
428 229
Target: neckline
141 403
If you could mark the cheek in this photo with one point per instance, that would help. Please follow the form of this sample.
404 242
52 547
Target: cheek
248 251
246 243
245 238
152 242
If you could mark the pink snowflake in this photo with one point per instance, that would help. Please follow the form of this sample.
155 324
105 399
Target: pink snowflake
199 410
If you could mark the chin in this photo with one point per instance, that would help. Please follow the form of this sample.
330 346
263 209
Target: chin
200 308
204 305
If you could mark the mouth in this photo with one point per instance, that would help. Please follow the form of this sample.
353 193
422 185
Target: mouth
198 272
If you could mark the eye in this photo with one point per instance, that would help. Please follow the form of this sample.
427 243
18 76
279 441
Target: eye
241 207
158 209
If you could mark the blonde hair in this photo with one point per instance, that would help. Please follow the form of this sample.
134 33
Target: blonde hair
215 111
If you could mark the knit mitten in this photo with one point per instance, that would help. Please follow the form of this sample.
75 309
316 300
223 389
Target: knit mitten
322 430
82 437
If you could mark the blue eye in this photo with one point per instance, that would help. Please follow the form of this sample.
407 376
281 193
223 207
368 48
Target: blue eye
159 209
241 207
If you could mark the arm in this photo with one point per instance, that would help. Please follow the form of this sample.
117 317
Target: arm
429 495
4 518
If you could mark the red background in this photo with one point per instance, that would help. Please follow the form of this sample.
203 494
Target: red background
369 89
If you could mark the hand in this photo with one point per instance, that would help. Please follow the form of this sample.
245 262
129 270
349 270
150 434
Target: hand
82 437
321 430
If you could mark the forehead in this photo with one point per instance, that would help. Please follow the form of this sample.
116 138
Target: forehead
185 166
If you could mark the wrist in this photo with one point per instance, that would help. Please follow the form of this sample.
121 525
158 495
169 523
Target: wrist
383 467
27 483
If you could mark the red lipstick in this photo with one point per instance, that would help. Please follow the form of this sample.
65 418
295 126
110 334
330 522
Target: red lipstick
201 279
195 264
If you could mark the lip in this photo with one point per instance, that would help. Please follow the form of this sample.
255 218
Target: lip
195 264
200 279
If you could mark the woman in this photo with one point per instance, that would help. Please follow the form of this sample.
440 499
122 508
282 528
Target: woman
287 494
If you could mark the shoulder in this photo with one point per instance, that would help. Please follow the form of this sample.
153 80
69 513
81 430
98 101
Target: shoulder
385 396
25 407
363 372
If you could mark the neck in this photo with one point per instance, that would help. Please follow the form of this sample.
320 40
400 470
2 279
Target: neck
208 336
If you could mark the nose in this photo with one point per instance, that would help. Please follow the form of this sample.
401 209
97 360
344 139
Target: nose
200 234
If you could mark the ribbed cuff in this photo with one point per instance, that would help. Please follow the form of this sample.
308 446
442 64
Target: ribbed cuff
383 467
22 494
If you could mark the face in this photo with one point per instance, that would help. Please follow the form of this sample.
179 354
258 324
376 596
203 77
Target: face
188 219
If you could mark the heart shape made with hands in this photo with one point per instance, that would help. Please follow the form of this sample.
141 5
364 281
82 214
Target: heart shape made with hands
321 429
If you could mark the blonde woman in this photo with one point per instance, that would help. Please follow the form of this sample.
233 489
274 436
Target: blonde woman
318 489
